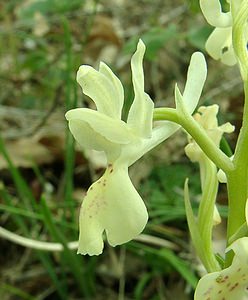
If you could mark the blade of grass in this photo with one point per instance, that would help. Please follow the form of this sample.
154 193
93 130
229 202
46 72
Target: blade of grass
70 258
18 220
71 102
141 285
180 265
23 190
61 287
19 211
170 257
31 215
26 194
16 291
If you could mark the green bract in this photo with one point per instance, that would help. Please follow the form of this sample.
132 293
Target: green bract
208 216
112 204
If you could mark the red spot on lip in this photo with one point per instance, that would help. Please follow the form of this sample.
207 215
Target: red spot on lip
110 166
234 286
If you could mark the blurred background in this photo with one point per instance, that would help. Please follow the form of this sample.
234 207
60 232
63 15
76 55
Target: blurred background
44 174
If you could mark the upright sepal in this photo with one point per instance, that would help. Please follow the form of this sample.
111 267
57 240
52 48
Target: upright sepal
196 77
141 110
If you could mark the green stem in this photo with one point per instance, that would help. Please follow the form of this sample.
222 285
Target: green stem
239 34
198 134
237 179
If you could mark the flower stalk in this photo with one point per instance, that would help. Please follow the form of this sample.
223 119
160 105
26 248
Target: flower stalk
237 179
198 134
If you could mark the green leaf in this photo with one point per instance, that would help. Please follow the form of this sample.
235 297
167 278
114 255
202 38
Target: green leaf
48 7
154 39
163 257
197 36
12 290
141 285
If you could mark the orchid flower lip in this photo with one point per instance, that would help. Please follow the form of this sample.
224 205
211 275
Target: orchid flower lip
112 207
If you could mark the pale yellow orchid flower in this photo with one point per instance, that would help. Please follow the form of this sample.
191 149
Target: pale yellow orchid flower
207 118
230 283
219 44
112 204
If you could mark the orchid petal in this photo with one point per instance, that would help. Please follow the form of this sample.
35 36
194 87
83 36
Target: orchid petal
112 205
214 15
159 134
219 46
221 175
88 138
117 85
141 110
196 77
114 130
103 88
230 283
216 216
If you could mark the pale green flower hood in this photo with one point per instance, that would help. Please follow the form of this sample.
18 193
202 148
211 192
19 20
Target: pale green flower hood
112 204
